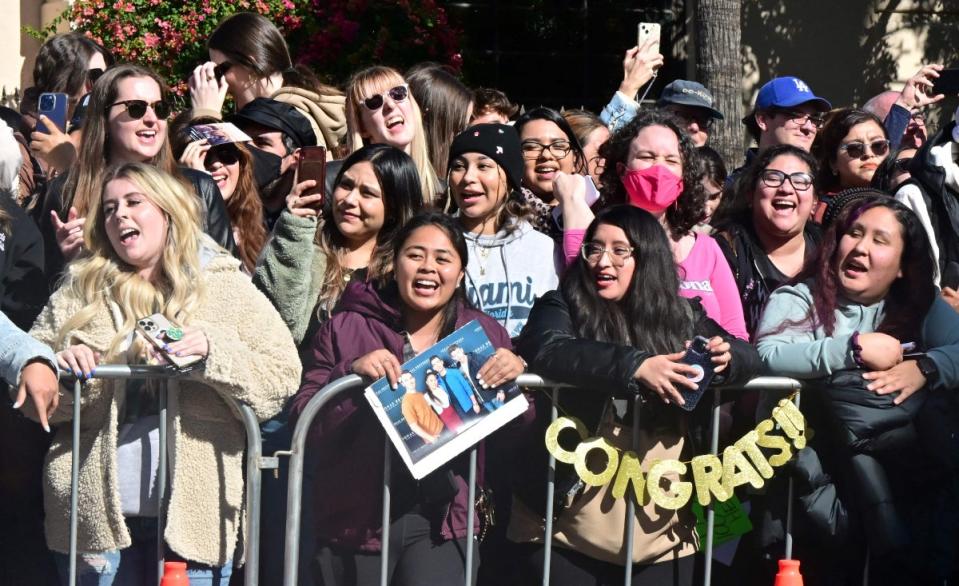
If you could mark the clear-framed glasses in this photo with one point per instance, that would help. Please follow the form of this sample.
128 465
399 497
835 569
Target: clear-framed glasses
593 252
857 149
533 149
775 178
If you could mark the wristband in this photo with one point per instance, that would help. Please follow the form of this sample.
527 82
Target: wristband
856 349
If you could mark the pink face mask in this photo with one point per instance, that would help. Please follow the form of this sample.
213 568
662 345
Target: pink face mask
653 189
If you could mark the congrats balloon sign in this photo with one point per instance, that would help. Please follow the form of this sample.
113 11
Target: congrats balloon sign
712 477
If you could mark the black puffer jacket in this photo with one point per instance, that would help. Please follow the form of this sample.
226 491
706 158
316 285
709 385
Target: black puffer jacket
599 370
22 287
215 220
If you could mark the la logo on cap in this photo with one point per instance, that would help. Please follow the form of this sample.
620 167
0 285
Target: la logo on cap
801 86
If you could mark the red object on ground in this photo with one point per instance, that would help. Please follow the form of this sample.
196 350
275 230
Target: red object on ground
174 574
788 574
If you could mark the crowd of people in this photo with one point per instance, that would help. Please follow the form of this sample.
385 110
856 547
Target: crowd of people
592 249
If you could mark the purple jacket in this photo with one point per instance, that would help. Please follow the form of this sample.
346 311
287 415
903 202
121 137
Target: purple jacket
348 439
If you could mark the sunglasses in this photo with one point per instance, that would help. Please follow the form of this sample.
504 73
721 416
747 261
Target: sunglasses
94 74
138 108
857 150
397 94
220 70
227 154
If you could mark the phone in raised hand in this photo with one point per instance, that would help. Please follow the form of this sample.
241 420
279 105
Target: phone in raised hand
647 31
312 165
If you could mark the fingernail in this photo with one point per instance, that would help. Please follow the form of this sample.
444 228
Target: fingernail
76 374
46 428
17 404
94 371
166 347
176 353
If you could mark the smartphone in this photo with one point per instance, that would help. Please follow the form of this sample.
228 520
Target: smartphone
697 356
950 276
312 165
947 82
154 328
649 30
53 106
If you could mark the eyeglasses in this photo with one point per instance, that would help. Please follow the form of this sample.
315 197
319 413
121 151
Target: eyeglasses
704 122
618 254
858 149
801 118
533 149
597 164
901 165
397 94
774 178
138 108
94 74
227 154
220 70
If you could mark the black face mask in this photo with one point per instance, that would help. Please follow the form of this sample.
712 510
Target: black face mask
266 167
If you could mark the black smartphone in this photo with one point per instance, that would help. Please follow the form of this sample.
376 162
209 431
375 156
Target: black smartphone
947 83
697 356
54 107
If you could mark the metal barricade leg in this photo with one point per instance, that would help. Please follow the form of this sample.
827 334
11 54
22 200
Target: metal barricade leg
75 481
471 511
387 476
710 512
631 505
789 509
161 481
550 488
254 452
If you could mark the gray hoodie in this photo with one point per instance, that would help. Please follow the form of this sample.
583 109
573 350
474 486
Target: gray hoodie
509 271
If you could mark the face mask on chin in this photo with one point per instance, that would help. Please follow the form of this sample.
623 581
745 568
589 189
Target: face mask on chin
653 189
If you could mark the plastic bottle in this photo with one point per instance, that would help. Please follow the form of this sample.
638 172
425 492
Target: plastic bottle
174 574
788 573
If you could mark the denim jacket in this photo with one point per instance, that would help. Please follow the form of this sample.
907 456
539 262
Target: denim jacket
619 111
17 348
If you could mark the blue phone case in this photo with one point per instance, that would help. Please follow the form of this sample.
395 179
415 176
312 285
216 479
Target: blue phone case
53 106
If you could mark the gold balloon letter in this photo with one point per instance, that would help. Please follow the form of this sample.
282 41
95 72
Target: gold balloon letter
681 490
612 461
747 444
708 478
737 470
630 473
552 438
773 442
788 416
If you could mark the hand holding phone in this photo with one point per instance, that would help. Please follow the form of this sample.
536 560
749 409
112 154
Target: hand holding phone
54 107
165 338
311 164
699 357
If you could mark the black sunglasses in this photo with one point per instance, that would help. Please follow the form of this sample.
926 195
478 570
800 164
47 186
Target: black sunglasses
397 94
220 70
138 108
227 154
94 74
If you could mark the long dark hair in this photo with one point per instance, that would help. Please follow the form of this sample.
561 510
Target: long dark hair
739 206
556 118
453 231
690 208
444 102
652 316
253 41
62 62
402 199
837 127
910 296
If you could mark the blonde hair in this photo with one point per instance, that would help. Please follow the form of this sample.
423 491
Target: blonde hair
176 289
375 80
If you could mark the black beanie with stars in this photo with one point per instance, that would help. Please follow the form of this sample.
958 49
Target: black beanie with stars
498 142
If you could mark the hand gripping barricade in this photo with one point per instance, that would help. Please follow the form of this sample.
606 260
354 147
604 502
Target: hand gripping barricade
254 463
352 382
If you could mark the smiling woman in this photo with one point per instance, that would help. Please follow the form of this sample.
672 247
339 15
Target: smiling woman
375 330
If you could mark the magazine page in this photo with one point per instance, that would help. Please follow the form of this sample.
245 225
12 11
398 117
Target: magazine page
219 133
439 409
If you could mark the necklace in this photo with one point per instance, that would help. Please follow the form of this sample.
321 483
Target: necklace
483 253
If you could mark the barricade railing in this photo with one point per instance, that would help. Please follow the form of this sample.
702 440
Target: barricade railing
255 462
354 382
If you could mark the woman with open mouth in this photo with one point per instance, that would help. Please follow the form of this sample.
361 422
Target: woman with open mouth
126 122
884 479
372 332
147 255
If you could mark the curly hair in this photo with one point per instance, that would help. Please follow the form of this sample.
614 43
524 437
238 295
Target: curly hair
690 208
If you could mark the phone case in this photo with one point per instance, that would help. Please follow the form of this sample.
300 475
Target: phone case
154 328
53 106
648 30
697 356
312 165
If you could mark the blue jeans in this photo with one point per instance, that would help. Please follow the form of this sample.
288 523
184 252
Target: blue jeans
137 564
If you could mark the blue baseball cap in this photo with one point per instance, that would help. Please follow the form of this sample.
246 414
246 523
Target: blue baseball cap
786 92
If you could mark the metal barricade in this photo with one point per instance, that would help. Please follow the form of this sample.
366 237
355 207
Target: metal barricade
353 382
254 463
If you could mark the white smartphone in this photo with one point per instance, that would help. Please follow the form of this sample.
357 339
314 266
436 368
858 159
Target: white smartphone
647 31
155 329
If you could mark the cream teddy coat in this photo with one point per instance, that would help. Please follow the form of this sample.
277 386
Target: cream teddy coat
252 359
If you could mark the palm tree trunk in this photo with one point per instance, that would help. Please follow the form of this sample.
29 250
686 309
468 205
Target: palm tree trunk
718 67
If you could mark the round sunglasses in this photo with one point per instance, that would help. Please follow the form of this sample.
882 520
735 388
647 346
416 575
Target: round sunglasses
138 108
857 149
397 94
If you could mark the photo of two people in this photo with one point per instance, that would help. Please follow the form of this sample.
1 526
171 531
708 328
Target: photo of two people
441 407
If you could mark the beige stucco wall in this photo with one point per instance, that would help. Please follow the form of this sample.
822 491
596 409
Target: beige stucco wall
17 48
